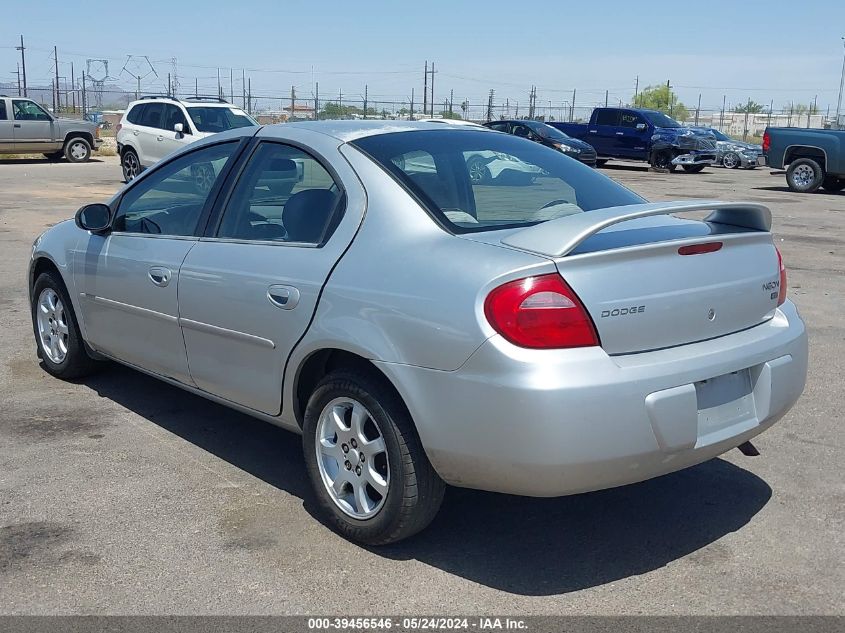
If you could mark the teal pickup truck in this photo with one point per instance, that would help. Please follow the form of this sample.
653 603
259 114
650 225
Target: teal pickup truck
812 158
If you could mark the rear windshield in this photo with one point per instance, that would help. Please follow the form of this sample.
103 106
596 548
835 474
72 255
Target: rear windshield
217 119
474 180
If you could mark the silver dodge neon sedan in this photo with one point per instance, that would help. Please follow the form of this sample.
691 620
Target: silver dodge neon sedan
542 336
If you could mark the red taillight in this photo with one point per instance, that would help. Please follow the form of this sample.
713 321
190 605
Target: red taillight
541 313
782 280
767 141
698 249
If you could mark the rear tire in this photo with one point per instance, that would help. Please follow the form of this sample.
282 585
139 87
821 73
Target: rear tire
804 175
77 150
399 465
56 329
833 184
130 164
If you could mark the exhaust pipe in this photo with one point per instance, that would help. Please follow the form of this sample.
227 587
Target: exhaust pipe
748 449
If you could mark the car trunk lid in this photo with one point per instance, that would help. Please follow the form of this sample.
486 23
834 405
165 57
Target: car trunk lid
655 282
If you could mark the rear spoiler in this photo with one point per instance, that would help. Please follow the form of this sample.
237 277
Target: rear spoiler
557 238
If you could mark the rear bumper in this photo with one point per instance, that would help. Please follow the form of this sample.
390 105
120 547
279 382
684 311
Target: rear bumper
557 422
762 160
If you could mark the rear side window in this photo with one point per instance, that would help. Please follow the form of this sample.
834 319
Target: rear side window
135 114
283 195
477 181
607 117
152 114
2 110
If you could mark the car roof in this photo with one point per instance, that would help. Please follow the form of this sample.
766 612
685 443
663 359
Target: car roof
352 130
187 102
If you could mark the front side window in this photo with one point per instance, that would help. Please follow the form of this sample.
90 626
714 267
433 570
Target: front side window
171 200
630 119
477 181
219 119
283 195
29 111
173 115
2 109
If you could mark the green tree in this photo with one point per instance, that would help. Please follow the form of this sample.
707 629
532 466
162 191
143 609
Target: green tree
751 107
662 98
450 115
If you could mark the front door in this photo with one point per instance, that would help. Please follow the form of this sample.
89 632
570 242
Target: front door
170 140
633 142
128 278
248 292
33 128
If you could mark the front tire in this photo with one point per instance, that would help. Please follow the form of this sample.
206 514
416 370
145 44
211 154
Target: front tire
662 160
694 169
77 150
804 175
57 335
367 466
731 160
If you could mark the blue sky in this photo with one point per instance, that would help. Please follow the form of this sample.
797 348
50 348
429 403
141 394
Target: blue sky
776 50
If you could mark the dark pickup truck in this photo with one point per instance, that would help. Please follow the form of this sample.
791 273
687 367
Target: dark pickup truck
647 135
813 158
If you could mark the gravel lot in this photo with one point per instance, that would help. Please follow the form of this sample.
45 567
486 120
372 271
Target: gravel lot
121 494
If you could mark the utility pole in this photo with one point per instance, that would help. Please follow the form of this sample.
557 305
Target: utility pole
73 87
425 88
84 99
636 89
56 62
698 109
231 87
19 79
249 102
411 115
219 89
365 101
316 99
292 101
606 95
722 115
432 89
451 102
243 86
572 107
669 96
22 48
838 103
490 105
168 84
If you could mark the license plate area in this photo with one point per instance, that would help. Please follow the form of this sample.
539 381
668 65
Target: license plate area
723 403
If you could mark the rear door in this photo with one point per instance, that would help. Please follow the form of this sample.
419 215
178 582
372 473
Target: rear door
7 136
128 278
248 291
33 128
148 133
602 132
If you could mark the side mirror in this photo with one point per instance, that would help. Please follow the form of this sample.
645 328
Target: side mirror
178 128
640 126
94 217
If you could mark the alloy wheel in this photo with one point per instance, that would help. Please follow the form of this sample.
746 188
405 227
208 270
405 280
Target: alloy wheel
52 326
731 160
79 150
130 166
352 458
803 176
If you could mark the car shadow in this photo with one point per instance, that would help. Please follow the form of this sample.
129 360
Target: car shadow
785 189
624 167
41 161
516 544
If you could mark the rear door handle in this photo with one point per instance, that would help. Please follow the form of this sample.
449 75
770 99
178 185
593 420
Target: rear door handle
592 131
160 275
284 297
17 124
620 134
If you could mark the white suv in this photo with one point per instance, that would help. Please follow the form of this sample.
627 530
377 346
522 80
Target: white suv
152 127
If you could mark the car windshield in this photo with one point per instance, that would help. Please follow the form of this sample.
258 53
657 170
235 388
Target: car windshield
658 119
473 180
720 135
217 119
546 131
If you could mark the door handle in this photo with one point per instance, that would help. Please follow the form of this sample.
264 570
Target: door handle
159 138
592 131
135 132
160 275
620 134
17 125
284 297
